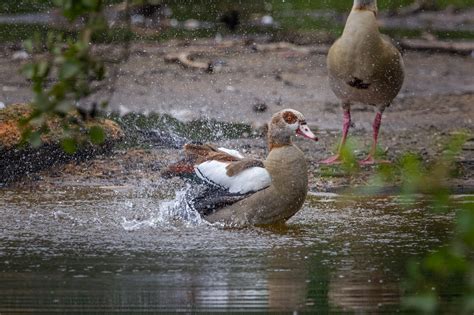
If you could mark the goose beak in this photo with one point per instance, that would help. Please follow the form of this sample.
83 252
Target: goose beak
304 131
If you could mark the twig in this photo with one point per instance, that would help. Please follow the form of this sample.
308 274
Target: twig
184 58
304 50
462 48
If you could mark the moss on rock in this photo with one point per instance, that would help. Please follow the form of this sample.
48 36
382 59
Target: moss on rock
18 159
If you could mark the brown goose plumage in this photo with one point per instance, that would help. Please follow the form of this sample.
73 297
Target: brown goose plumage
266 201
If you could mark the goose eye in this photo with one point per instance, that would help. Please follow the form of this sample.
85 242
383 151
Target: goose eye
290 118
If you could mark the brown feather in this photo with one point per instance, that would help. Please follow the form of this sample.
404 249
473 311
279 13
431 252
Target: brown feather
237 167
273 145
197 154
181 167
198 150
207 152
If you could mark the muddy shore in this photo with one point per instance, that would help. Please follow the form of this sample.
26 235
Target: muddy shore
436 100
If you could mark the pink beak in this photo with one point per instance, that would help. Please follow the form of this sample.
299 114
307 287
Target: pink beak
304 131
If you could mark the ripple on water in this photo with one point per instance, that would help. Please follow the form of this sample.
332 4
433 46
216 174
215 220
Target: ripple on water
85 248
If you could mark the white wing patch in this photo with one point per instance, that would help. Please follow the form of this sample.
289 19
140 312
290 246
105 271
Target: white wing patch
250 180
234 153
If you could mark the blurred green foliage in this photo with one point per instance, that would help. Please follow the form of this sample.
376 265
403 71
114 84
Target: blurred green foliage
23 6
291 16
189 8
432 280
26 6
62 73
72 9
426 286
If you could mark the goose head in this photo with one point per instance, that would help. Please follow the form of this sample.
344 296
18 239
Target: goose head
285 124
369 5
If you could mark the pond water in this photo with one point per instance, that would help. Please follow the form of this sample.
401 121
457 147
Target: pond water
78 249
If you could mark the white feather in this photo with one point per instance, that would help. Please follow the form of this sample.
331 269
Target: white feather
250 180
294 126
234 153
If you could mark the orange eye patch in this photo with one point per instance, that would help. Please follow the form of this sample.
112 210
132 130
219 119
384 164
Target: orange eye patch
290 118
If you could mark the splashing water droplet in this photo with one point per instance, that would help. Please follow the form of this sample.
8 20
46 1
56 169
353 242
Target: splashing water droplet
170 214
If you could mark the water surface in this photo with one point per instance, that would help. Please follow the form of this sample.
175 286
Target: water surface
78 249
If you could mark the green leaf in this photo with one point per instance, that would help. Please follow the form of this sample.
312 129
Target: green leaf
43 69
349 160
69 69
38 120
35 139
465 225
97 135
58 3
64 107
69 145
28 44
100 72
56 50
425 303
468 303
37 40
90 3
41 102
67 5
29 70
58 90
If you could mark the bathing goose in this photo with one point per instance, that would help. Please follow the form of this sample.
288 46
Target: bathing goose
364 67
243 191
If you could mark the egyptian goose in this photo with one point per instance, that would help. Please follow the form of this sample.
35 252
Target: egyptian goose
243 191
364 67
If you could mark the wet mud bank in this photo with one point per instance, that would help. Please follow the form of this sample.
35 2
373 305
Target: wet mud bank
142 167
157 102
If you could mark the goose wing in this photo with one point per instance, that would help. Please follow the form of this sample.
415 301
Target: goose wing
228 175
227 169
236 177
209 199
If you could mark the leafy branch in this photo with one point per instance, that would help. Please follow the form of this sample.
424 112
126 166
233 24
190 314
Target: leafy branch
67 62
426 286
429 277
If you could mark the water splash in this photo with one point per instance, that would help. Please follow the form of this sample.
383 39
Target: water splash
170 214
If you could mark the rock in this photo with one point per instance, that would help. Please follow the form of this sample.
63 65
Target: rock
191 24
267 20
468 146
260 107
20 55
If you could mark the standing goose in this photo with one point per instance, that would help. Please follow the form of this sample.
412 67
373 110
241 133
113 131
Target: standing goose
364 67
243 191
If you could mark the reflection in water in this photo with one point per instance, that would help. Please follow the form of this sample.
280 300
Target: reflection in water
287 280
85 249
362 292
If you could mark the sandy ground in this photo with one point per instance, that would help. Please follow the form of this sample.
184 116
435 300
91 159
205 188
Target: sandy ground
437 99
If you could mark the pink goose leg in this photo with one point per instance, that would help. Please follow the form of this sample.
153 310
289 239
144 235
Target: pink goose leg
370 159
336 159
